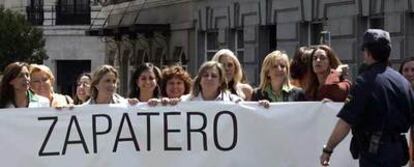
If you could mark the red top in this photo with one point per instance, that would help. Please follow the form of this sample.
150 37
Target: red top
335 88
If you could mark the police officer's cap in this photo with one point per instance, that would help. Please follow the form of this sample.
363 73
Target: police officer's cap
376 37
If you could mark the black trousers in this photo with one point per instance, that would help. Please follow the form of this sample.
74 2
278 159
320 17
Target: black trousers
390 154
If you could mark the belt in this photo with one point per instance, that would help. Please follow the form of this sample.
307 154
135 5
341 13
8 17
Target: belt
387 138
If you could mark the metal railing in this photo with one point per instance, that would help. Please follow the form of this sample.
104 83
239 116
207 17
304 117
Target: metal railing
59 14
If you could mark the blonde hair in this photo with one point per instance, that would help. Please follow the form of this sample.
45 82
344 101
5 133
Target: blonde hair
268 62
42 68
97 76
204 67
238 75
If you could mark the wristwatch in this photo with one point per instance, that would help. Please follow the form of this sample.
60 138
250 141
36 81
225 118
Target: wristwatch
326 150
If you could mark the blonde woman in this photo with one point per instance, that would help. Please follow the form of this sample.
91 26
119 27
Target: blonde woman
275 85
210 85
103 86
234 73
41 83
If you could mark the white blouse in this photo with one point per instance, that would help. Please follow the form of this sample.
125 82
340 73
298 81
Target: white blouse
223 96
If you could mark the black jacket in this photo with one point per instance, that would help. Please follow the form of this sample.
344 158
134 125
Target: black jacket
295 94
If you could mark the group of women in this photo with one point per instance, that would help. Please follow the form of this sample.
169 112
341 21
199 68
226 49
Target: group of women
315 73
25 85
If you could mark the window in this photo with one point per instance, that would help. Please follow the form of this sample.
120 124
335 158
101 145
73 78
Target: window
67 72
272 30
212 45
140 57
325 38
158 58
35 12
180 56
146 58
316 29
73 12
239 44
119 1
268 39
376 22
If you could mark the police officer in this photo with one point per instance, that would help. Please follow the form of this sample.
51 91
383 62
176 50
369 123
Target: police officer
378 110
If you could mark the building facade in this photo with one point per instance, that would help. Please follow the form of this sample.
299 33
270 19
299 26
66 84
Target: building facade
189 32
64 23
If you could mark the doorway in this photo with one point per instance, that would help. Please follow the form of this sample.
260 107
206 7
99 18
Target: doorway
67 72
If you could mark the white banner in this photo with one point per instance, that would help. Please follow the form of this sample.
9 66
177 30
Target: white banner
194 134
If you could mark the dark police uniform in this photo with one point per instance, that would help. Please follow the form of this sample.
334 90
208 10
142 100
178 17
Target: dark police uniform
379 109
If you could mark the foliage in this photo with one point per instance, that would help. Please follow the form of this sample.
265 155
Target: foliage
19 40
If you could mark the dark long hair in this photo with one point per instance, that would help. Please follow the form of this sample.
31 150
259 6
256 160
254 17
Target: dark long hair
299 65
134 89
334 62
406 60
6 90
76 99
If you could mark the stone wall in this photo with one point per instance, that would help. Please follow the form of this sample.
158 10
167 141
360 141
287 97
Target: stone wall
297 21
254 28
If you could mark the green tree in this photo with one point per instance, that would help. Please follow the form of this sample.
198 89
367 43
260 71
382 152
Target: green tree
19 40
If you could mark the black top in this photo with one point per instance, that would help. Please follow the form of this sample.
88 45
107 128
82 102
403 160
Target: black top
380 100
295 94
231 87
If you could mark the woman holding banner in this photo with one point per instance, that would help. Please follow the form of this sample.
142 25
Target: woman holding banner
145 82
14 88
210 85
41 83
83 86
234 73
176 82
103 86
275 85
